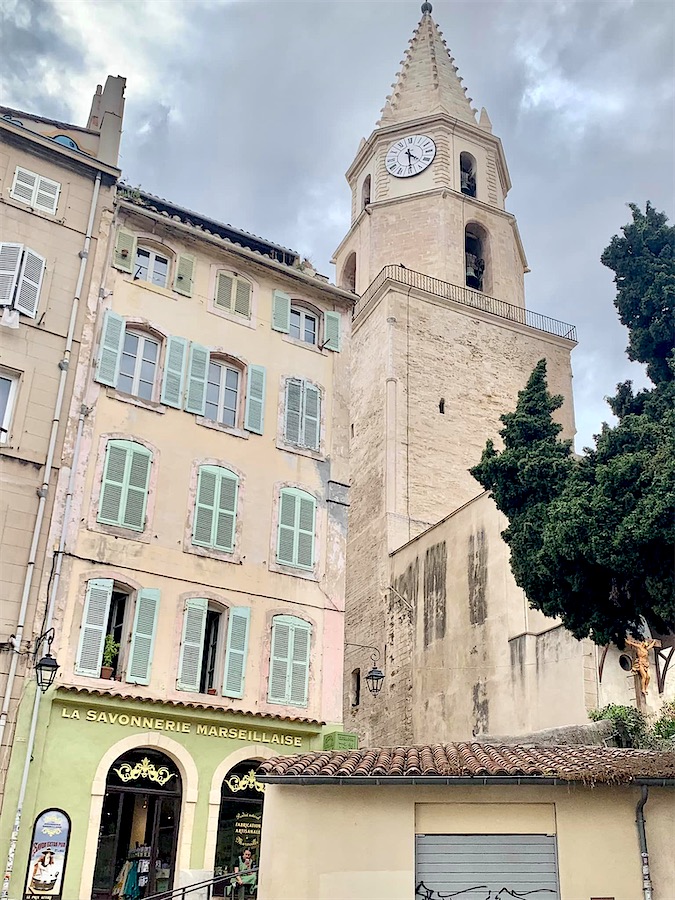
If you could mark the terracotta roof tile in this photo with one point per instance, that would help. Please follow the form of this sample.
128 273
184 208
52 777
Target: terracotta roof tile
588 764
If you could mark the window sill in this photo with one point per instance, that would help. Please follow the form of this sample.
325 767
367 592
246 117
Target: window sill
225 429
231 317
150 405
20 204
313 348
155 288
282 569
118 531
209 553
300 451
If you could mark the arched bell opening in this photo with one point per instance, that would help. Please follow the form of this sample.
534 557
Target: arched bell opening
365 192
476 251
467 174
348 280
138 834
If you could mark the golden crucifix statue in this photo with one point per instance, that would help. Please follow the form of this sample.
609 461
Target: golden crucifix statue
641 662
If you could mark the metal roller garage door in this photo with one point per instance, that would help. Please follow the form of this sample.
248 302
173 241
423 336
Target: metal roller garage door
486 866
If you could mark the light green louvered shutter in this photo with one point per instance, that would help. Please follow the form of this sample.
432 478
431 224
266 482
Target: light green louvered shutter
293 411
281 312
198 368
332 331
10 263
124 255
306 515
237 648
112 340
192 644
242 298
124 491
94 624
30 282
185 270
254 419
174 371
226 514
299 664
143 636
287 527
113 483
224 286
205 506
137 481
279 662
311 419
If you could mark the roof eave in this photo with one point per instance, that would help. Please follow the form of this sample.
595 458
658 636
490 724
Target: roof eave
482 781
76 158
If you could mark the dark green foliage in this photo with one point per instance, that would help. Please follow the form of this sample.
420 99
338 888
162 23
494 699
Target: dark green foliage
634 729
643 260
591 538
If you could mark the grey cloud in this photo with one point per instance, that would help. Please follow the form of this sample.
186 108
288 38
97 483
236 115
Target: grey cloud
260 106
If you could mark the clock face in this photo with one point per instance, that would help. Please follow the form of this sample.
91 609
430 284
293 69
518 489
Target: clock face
410 156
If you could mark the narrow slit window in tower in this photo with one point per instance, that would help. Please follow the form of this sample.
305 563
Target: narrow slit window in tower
474 252
467 172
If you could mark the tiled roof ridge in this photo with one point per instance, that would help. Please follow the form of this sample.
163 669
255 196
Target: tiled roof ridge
469 759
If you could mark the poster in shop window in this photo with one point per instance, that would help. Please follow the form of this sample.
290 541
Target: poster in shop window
48 855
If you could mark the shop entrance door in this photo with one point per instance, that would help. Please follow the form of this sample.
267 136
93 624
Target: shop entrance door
138 836
239 826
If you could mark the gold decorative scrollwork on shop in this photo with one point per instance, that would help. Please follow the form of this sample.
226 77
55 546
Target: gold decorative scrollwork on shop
145 769
236 783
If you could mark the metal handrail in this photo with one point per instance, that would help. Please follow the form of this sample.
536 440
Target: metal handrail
467 297
179 893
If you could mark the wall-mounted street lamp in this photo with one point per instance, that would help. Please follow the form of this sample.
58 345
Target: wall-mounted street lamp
375 676
47 667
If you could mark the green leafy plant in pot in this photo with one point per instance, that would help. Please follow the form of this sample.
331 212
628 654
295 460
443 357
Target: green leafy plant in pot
111 648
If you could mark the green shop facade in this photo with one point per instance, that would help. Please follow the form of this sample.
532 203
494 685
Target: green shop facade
156 795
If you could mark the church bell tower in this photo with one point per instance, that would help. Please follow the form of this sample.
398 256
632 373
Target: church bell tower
442 342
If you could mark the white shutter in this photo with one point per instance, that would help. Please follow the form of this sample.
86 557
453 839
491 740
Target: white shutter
93 629
30 282
47 195
10 263
192 645
23 188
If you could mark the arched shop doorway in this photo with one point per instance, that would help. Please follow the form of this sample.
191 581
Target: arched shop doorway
137 840
239 822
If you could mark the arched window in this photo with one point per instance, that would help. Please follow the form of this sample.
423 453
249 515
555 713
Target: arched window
365 192
139 365
348 280
475 252
356 687
467 174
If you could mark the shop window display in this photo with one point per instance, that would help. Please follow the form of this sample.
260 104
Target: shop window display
239 826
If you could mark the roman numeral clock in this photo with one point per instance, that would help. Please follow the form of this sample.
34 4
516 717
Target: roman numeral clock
410 156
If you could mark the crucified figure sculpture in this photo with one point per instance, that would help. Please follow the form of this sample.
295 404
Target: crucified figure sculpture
641 662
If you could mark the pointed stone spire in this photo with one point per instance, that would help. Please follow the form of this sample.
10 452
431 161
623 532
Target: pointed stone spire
428 82
484 121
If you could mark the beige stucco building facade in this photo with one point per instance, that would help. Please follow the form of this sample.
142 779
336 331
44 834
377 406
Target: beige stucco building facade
56 189
498 824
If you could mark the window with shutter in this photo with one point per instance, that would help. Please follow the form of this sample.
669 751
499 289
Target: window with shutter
289 661
124 490
143 636
215 515
281 312
198 368
10 263
302 414
35 190
237 648
94 627
296 529
110 351
9 385
185 269
255 400
174 372
124 256
192 644
233 294
21 274
332 323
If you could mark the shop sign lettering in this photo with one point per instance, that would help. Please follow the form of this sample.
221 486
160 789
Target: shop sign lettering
158 723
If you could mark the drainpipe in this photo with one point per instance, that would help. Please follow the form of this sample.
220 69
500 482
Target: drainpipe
642 837
42 494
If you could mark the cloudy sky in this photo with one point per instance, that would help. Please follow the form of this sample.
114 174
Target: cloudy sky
252 111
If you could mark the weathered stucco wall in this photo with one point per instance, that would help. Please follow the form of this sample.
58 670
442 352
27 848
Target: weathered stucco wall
365 848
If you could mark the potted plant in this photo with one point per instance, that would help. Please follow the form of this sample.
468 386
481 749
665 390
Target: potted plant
111 648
